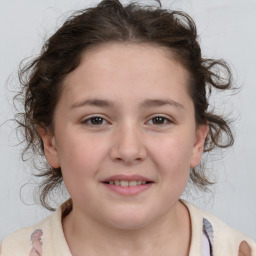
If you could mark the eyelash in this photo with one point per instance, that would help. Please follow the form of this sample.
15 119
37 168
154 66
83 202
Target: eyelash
165 119
90 119
86 121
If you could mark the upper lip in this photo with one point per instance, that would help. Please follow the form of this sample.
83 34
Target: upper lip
127 178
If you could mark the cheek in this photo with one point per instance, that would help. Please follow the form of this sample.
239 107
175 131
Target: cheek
80 162
174 151
172 159
80 157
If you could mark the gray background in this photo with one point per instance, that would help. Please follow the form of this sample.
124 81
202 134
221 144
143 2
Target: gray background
227 29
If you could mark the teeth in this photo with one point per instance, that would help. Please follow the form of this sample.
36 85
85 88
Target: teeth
132 183
125 183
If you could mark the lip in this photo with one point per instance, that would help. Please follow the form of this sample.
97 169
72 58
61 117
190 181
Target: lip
127 178
129 190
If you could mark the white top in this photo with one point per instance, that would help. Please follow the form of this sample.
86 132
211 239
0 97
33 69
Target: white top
208 234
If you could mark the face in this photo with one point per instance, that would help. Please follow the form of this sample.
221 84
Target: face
125 135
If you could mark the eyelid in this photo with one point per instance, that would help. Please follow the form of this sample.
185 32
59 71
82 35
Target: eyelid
88 118
167 118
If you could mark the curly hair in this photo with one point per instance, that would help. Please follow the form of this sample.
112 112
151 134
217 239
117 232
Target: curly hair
41 79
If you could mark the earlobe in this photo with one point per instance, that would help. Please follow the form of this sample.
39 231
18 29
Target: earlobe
50 147
198 148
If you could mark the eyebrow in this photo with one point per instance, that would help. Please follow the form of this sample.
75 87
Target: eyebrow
147 103
161 102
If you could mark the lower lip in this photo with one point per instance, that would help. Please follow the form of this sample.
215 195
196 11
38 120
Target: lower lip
129 191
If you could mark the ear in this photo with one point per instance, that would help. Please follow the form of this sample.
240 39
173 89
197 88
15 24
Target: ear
198 148
50 148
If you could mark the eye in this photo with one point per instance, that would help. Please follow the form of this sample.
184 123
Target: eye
95 121
159 120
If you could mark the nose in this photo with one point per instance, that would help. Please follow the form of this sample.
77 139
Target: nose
128 145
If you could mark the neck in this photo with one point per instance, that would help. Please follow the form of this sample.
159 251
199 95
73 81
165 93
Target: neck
162 237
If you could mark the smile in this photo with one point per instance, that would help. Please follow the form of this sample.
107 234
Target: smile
125 183
130 185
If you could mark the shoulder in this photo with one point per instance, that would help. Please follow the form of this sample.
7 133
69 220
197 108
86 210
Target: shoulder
18 241
225 238
21 241
47 236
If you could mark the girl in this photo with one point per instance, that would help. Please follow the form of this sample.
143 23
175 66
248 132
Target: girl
117 102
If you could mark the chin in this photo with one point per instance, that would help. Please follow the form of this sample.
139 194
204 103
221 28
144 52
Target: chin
128 225
128 220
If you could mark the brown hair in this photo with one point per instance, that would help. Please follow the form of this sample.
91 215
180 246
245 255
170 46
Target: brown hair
110 21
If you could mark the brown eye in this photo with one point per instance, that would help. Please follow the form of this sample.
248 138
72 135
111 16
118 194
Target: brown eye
160 120
95 121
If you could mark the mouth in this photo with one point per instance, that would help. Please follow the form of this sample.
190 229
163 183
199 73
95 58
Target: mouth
126 183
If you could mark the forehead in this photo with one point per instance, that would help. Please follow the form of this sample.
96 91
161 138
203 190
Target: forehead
140 56
127 69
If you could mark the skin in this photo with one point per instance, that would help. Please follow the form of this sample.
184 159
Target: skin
128 141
